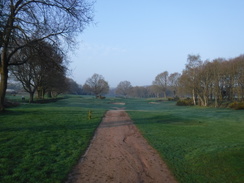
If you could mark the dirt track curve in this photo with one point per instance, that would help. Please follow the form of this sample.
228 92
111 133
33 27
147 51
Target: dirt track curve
118 153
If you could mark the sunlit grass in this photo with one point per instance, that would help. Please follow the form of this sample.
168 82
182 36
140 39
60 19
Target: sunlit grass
198 144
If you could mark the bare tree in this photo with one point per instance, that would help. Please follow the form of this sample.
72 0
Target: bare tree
217 80
26 75
173 82
156 90
23 22
220 80
161 81
140 91
73 87
192 66
53 73
239 62
204 83
43 71
96 85
124 88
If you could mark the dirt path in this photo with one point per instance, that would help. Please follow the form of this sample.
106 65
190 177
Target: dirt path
118 153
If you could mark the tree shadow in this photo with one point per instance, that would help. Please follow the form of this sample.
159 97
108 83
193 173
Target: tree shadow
166 119
115 124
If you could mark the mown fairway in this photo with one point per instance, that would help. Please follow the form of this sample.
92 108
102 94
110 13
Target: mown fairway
42 142
199 144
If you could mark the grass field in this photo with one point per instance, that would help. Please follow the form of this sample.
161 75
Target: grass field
42 142
199 144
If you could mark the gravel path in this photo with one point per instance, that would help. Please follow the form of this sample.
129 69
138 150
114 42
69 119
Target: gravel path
119 153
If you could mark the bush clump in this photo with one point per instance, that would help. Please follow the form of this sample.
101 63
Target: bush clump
185 102
170 99
237 105
173 98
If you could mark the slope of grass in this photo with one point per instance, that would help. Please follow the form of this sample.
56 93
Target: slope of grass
198 144
42 142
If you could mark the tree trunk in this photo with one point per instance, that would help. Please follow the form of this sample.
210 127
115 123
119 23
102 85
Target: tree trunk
242 94
3 80
193 97
165 96
31 97
43 93
200 101
39 94
49 94
205 98
216 100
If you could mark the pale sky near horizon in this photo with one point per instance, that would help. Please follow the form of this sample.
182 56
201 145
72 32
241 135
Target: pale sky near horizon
135 40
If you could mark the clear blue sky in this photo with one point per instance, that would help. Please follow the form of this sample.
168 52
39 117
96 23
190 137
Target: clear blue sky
135 40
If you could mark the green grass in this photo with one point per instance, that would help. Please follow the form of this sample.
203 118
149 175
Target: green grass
199 144
42 142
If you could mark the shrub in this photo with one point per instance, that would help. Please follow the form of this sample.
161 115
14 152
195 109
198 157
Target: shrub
170 99
176 98
185 102
237 105
173 99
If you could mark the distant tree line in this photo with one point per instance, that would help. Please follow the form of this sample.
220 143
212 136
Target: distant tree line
164 85
215 81
205 82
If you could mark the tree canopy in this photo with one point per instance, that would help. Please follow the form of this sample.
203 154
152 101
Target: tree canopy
43 71
124 88
96 85
23 22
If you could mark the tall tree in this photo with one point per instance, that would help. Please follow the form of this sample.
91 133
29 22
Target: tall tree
73 87
173 82
239 62
220 80
43 70
204 83
140 91
124 88
96 85
53 70
161 81
23 22
217 84
192 66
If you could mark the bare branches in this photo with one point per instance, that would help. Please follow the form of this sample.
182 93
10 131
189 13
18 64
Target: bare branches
96 85
41 19
124 88
218 81
24 22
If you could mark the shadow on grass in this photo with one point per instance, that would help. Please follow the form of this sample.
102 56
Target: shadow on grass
40 121
46 128
166 119
115 124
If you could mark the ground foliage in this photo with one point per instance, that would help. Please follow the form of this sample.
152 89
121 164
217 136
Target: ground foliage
199 144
